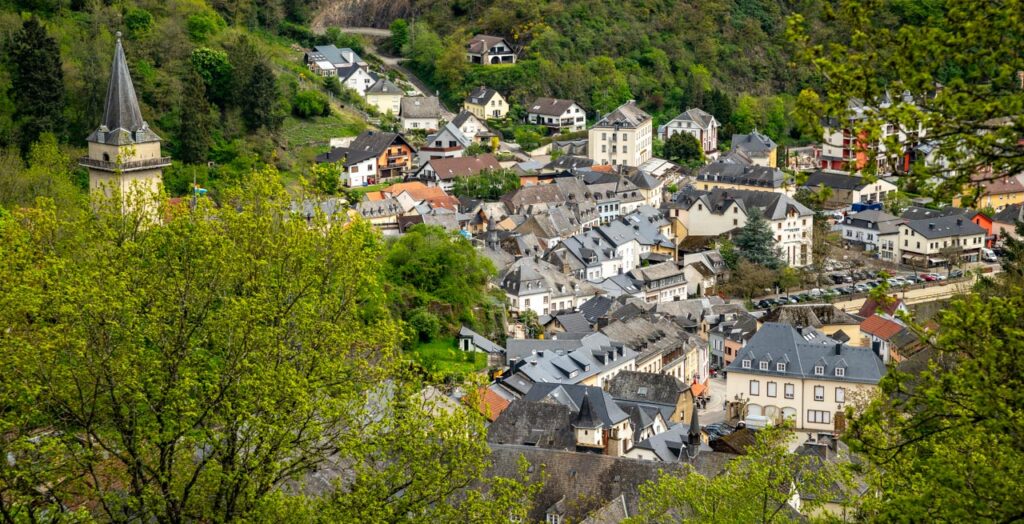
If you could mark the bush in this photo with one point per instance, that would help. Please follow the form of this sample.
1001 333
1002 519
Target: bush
426 324
308 103
203 25
138 21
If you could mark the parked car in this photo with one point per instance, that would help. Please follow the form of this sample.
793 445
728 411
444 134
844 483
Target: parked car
956 273
896 282
913 279
764 304
871 284
815 293
988 255
928 277
939 276
861 288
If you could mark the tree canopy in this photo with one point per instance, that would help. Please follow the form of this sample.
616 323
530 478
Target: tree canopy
756 242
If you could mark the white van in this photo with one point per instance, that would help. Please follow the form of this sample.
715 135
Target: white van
988 255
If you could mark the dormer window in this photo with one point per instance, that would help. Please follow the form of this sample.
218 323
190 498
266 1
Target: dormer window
819 370
840 372
781 366
763 366
746 363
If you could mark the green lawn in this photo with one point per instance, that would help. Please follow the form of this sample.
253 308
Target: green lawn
320 130
441 356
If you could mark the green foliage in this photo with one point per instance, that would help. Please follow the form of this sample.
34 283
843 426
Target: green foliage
755 487
528 137
477 149
260 105
399 35
326 178
307 103
937 433
426 324
684 148
756 242
194 131
204 24
48 174
429 265
488 184
37 83
138 21
215 70
971 48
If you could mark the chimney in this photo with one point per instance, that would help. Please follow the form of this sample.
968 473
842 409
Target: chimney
931 225
839 348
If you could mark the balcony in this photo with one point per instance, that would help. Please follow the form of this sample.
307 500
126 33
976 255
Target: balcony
125 167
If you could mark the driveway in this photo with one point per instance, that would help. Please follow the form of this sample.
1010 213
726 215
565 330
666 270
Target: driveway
715 411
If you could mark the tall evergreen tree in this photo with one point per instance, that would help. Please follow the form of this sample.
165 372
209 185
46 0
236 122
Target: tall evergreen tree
194 132
261 98
37 83
756 243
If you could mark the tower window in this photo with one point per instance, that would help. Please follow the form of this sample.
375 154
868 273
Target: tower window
106 157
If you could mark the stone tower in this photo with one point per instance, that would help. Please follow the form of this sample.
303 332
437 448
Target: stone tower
124 154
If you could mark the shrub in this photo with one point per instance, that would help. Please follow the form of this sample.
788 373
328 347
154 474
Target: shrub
203 25
425 323
308 103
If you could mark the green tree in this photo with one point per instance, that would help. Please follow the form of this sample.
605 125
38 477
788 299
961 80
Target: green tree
750 280
756 242
326 178
424 48
37 83
194 129
746 116
789 278
959 65
938 433
489 184
308 103
755 487
451 66
138 21
259 106
215 70
684 148
399 35
527 138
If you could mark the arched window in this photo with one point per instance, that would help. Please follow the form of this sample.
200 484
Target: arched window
106 157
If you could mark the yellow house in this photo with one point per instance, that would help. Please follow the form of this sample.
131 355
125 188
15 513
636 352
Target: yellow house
486 103
996 192
385 96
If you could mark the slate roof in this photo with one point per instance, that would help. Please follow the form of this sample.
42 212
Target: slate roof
697 116
480 341
646 387
736 442
122 118
669 445
613 512
420 107
627 115
835 181
657 272
773 206
549 106
345 155
377 141
566 361
569 163
574 322
334 55
593 407
741 174
595 308
945 226
481 96
802 351
451 129
921 213
535 423
754 143
383 86
1009 214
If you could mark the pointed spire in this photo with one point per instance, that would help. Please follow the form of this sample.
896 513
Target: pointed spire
585 418
694 433
122 108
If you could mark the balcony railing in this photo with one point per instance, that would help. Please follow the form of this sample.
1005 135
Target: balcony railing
131 165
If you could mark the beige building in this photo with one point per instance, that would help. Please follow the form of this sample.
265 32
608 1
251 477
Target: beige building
799 375
385 96
932 241
124 160
486 103
622 137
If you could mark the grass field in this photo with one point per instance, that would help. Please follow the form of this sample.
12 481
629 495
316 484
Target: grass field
441 356
320 130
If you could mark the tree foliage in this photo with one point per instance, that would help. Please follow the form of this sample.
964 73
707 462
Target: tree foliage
756 242
194 129
259 107
684 148
489 184
37 82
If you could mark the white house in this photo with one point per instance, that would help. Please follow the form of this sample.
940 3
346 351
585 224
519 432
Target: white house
487 50
449 142
557 114
698 123
420 112
869 228
357 168
623 137
473 127
326 60
929 242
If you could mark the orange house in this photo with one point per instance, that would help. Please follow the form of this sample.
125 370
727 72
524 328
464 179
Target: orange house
394 153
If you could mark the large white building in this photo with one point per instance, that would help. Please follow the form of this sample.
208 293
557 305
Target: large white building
622 137
698 123
800 375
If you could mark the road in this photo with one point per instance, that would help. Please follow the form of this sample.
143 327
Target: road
715 411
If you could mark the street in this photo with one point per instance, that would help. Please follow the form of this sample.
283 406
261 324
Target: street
715 411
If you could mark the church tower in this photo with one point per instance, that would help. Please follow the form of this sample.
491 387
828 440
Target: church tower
124 154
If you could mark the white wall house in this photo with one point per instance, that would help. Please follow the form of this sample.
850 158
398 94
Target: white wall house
622 137
557 114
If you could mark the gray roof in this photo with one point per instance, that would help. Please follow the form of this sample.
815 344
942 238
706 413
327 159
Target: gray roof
643 387
566 360
481 95
480 341
835 181
450 129
946 226
122 118
376 141
803 350
742 174
345 155
549 106
595 308
669 445
593 406
569 163
1009 214
334 55
656 272
420 107
753 144
574 322
482 43
811 315
773 206
697 116
626 115
534 423
921 213
384 86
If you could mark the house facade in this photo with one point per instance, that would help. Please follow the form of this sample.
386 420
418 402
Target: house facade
490 50
442 172
800 375
870 229
622 137
385 96
486 103
449 142
847 190
932 242
356 78
420 113
558 115
662 282
355 168
698 123
758 147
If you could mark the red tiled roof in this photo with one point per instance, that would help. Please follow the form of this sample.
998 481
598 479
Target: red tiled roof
435 196
871 306
491 404
697 388
880 327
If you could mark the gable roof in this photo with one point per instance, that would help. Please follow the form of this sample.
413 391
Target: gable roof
420 107
450 129
835 181
810 315
871 306
450 168
646 387
481 96
753 143
420 192
593 407
881 327
697 116
480 44
774 206
383 86
377 141
480 341
741 174
333 54
491 404
945 226
348 157
921 213
627 115
535 423
549 106
1009 214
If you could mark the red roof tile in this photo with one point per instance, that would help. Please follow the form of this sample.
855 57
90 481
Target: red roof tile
871 306
491 404
880 327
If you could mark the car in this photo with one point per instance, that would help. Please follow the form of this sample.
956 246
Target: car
837 278
956 273
815 293
871 284
764 304
861 288
792 299
928 277
896 282
913 279
939 276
